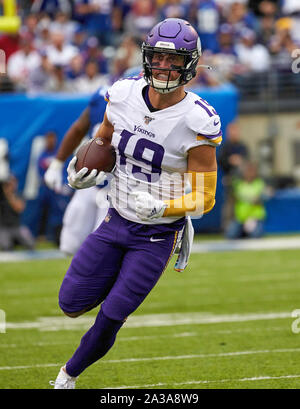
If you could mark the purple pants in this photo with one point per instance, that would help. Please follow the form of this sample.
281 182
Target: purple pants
118 265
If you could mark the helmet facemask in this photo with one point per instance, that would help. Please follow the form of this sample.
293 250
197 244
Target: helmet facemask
187 71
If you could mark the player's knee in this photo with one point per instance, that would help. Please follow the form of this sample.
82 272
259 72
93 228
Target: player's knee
73 314
65 307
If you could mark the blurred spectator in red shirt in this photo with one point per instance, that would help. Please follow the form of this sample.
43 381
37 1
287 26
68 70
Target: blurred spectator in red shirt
9 43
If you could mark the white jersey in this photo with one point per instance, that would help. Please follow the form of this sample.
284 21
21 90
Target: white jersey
152 147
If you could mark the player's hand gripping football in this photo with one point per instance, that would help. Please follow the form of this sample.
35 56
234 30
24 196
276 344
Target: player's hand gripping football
78 180
147 207
53 175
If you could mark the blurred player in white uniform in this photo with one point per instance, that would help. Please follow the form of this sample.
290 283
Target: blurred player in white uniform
162 135
87 207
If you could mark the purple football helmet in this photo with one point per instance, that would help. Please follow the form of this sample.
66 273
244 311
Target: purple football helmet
172 36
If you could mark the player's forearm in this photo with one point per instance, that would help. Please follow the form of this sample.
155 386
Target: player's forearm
106 130
199 201
196 203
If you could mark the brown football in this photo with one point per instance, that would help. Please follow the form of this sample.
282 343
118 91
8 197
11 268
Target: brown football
96 154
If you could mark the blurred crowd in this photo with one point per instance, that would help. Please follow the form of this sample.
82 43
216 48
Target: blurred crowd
78 45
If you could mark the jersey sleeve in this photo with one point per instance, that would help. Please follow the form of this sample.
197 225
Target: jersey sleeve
204 128
114 95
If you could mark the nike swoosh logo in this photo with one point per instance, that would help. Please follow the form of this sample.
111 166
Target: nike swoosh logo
153 240
216 123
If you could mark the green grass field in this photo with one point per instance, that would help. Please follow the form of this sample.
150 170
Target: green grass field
224 323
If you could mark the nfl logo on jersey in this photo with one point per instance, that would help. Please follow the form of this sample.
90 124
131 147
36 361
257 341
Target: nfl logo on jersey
147 119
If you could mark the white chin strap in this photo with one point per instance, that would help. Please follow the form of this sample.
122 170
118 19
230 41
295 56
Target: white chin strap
161 86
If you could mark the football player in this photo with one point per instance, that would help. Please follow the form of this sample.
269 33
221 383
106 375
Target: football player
87 207
161 134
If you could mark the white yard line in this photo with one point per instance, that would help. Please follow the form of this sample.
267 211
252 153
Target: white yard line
120 339
146 337
277 243
150 320
259 378
17 368
199 356
280 243
27 255
167 358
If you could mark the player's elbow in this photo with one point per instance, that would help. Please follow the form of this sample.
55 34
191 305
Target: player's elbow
209 204
204 203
